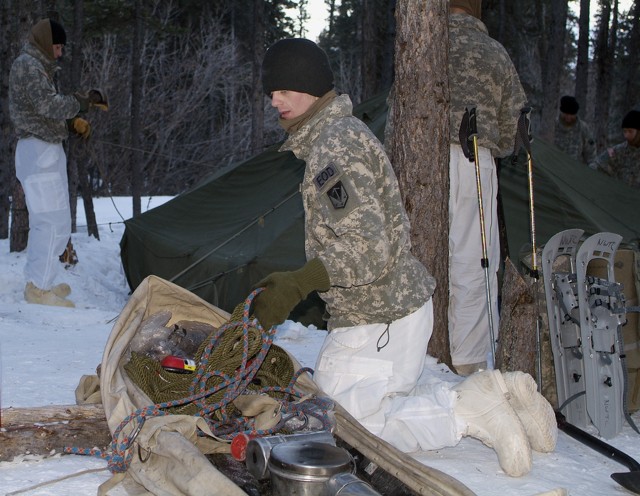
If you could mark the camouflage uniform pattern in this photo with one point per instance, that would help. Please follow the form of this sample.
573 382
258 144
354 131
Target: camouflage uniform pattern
622 162
355 222
488 80
576 141
35 107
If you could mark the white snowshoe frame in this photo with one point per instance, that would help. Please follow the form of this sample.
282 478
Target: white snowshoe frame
585 318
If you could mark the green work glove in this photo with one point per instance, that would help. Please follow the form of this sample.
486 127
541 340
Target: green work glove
85 102
284 290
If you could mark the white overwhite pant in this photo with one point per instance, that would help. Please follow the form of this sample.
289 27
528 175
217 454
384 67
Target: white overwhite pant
376 374
41 168
468 315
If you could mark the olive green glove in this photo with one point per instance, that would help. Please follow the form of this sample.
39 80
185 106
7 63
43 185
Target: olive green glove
284 290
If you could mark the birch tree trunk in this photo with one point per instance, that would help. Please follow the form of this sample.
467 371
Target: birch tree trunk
419 144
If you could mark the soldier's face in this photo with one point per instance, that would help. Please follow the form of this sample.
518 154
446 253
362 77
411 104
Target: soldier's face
291 104
631 135
57 51
568 119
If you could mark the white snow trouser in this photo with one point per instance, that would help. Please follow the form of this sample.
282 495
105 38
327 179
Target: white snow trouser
469 336
372 372
41 168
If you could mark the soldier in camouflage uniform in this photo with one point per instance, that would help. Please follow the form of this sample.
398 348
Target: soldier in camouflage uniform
623 160
378 294
572 135
41 117
481 74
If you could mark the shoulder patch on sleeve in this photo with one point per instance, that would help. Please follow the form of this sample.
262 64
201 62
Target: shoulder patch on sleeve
326 176
338 195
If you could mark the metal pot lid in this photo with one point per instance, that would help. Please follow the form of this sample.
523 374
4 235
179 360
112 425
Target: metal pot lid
310 458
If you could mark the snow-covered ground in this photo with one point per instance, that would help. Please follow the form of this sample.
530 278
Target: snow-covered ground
45 350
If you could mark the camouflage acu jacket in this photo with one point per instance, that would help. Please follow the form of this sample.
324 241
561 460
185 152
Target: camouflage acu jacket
35 107
576 141
355 221
482 74
622 162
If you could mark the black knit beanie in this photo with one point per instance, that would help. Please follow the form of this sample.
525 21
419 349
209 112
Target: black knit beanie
631 120
296 64
569 105
58 36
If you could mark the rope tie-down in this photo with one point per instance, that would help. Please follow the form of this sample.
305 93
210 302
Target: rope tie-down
237 359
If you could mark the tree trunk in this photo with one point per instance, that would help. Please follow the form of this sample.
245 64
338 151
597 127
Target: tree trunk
553 46
582 63
603 65
24 13
42 430
632 93
7 45
136 97
368 61
419 147
257 114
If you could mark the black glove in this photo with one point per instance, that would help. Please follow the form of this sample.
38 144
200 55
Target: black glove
284 290
80 126
98 99
94 98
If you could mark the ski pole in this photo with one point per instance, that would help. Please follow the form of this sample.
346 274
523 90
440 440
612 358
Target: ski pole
523 140
469 132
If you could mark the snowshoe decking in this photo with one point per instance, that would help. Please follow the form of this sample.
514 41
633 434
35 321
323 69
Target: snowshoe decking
600 301
564 327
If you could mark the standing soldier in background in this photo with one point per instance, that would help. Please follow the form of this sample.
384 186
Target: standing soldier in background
42 118
622 161
481 74
572 135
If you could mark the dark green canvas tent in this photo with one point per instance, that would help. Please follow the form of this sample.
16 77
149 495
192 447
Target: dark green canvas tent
220 238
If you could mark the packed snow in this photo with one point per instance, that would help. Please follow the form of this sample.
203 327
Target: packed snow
45 350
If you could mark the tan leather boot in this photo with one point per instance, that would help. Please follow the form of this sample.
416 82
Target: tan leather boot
535 412
483 408
33 294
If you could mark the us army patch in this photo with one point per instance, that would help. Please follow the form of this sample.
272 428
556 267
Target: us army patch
338 195
326 175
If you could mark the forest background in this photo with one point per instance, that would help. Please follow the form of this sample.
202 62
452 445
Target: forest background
183 81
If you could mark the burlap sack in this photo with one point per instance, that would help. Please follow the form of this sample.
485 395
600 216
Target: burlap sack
168 456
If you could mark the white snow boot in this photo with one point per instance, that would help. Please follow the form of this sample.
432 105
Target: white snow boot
470 368
535 412
62 290
483 409
33 294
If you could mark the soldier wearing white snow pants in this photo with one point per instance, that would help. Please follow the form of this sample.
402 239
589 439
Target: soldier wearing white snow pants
481 75
377 294
42 118
41 168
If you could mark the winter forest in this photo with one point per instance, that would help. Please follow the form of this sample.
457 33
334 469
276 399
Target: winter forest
183 78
